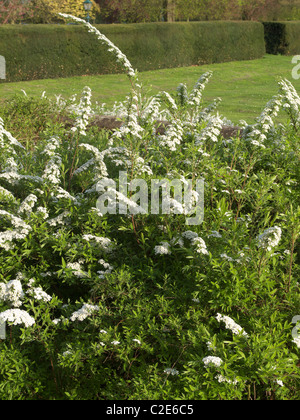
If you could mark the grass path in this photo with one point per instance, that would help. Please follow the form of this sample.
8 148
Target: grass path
244 86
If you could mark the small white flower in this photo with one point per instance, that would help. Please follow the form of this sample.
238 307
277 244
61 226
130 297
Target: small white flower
226 257
297 341
210 346
230 324
214 234
84 312
43 212
77 270
39 294
67 353
200 246
212 360
190 235
221 379
162 249
12 292
279 382
170 371
105 243
270 238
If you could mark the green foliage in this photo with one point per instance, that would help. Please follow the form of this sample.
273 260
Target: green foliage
51 51
142 306
33 117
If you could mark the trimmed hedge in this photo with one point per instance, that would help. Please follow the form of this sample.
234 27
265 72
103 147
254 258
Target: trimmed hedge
51 51
282 37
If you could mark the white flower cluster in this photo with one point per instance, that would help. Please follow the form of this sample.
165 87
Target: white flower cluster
62 219
17 317
120 57
200 246
171 371
221 379
100 169
132 128
105 243
39 294
52 144
20 232
77 270
57 193
151 110
258 132
241 257
53 166
11 165
270 238
212 360
210 132
291 100
167 98
190 235
52 170
196 241
141 167
84 312
6 195
84 167
296 341
195 97
28 204
230 324
108 269
43 212
12 293
163 249
83 111
13 177
173 136
182 93
214 234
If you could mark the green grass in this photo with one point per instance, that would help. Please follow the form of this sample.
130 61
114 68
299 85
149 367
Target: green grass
244 86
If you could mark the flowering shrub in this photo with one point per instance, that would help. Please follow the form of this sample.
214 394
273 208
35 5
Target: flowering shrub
120 306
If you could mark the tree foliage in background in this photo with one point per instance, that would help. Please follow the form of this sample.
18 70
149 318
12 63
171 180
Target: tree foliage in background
134 11
12 11
49 9
42 11
131 11
116 11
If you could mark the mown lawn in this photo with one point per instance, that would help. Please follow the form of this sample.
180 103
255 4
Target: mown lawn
244 86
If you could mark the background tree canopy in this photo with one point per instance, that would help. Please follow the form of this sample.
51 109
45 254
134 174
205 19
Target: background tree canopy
134 11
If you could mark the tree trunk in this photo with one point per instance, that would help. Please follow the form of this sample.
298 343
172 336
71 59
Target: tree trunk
171 11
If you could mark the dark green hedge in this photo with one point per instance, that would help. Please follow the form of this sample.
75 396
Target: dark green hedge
50 51
282 37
